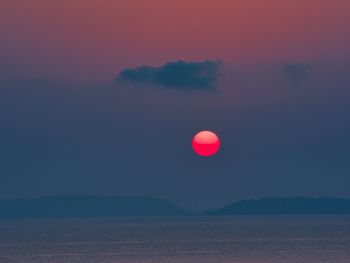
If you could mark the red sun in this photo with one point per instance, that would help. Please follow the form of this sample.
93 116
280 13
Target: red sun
205 143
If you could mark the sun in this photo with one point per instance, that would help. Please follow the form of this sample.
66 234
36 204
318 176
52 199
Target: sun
205 143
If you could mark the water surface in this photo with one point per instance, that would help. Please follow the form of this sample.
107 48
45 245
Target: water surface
163 240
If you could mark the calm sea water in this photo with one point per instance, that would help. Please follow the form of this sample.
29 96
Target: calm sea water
163 240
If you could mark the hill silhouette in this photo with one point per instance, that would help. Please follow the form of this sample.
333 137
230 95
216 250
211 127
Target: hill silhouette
286 206
87 206
119 206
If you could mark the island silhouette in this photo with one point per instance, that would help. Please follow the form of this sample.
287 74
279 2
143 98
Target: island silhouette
122 206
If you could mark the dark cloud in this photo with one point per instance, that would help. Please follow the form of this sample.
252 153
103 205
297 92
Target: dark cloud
178 75
297 73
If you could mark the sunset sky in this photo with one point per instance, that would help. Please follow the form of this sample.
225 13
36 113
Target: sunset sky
73 39
280 102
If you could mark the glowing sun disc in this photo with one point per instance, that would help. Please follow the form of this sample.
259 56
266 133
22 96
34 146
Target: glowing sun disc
205 143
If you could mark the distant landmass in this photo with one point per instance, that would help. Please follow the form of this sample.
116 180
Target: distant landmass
87 206
122 206
286 206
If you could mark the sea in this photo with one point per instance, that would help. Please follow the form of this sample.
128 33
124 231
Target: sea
237 239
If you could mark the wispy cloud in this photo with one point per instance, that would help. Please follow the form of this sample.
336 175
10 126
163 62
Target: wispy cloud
297 73
179 75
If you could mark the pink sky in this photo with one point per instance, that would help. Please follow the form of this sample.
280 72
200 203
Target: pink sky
94 39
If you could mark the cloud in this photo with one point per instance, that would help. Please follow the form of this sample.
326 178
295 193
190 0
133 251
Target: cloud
297 73
179 75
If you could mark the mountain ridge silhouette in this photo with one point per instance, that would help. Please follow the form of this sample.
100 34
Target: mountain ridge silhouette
74 206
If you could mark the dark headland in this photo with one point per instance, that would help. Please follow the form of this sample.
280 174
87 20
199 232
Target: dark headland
287 206
87 206
119 206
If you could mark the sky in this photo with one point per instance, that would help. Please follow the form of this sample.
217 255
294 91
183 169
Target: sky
104 97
